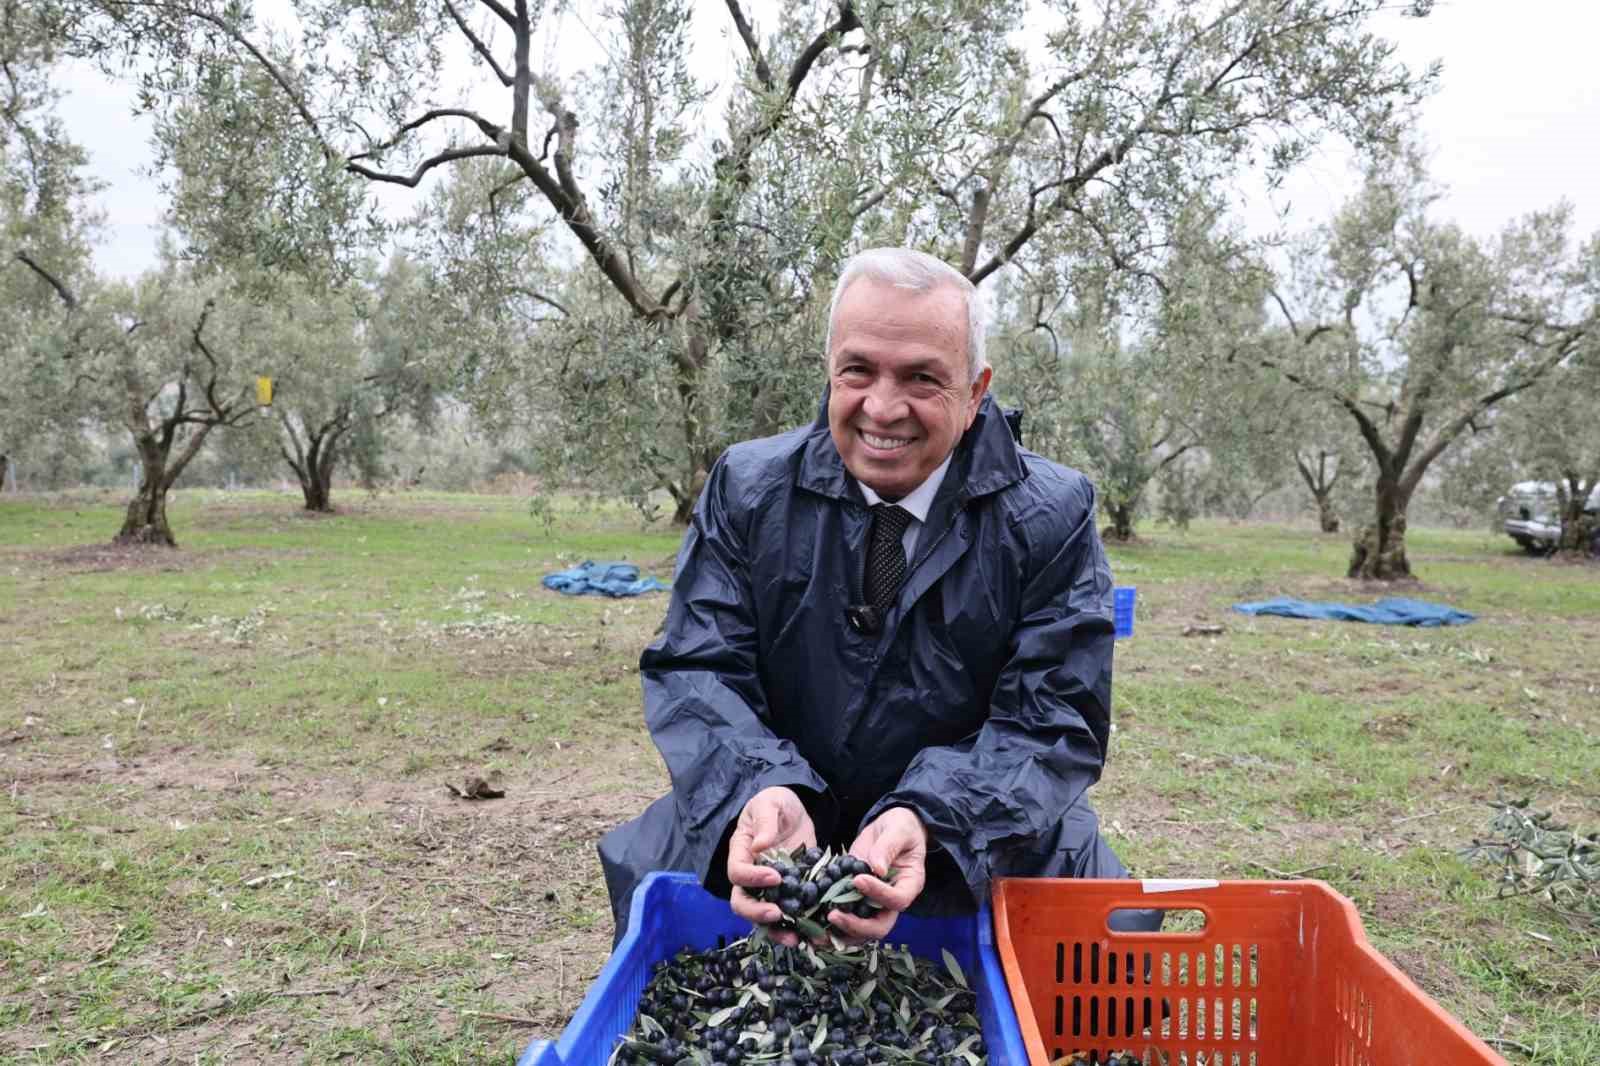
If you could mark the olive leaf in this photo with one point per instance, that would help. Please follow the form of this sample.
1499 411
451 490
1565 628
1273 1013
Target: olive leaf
864 993
720 1018
954 967
820 1037
837 889
810 928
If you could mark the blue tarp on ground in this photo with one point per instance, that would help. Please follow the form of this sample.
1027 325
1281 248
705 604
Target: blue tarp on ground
602 579
1390 612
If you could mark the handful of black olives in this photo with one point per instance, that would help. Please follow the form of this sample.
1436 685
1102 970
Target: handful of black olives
815 881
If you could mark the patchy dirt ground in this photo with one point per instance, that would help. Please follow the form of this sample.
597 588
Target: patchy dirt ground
229 837
355 902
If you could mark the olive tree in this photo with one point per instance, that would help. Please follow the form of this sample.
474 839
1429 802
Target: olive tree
44 217
1553 433
166 359
1417 332
710 214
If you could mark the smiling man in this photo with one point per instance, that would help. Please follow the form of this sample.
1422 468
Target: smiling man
890 632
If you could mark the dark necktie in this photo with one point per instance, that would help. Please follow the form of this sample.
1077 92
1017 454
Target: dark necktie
886 554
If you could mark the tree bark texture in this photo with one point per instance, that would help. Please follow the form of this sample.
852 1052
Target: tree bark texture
313 463
1326 515
1380 548
1121 528
1320 480
1578 530
146 519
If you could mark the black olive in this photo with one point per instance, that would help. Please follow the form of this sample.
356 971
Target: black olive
810 892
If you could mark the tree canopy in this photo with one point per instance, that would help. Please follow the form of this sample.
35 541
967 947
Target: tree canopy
710 214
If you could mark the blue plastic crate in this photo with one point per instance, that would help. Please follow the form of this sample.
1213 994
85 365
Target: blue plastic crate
1123 598
671 911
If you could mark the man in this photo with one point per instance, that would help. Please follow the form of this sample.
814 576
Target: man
890 632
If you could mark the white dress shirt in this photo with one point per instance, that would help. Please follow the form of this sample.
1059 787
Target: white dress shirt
917 502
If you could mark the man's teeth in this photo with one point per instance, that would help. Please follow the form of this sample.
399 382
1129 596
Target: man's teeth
885 443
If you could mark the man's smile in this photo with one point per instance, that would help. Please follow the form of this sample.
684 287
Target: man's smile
885 444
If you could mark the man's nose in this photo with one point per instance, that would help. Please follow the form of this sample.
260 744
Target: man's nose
884 403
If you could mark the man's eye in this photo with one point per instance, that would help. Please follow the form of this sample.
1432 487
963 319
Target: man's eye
853 369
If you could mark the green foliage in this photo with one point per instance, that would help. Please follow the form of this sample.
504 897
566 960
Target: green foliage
640 277
1538 856
1415 332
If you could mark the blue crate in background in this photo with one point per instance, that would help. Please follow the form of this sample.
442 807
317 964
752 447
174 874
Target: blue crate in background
671 911
1123 597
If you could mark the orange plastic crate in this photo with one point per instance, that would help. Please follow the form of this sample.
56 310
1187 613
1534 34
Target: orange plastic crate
1281 975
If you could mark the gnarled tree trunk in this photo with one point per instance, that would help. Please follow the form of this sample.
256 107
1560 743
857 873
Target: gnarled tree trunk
1320 479
1380 548
145 521
1578 530
1121 527
313 462
1326 516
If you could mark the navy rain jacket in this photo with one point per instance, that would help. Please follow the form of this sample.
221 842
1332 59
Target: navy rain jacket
983 704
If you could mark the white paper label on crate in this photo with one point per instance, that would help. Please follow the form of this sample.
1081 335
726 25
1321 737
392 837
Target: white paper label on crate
1176 884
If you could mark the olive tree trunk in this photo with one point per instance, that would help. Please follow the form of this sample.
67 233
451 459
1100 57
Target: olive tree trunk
1380 548
1578 529
145 521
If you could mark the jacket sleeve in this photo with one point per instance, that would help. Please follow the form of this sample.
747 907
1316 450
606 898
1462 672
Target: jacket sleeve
1009 784
703 699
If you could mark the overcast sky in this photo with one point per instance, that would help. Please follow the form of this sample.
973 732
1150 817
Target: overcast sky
1514 127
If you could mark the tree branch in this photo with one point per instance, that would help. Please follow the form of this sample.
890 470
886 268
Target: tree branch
500 10
763 72
489 129
542 298
477 44
233 33
411 181
55 283
575 212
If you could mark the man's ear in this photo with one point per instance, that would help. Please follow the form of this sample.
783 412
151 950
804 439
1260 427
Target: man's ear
979 387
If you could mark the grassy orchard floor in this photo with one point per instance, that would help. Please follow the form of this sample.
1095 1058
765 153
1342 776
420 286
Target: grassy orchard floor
227 837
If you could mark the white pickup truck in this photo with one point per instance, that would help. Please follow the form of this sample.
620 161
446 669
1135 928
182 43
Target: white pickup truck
1530 514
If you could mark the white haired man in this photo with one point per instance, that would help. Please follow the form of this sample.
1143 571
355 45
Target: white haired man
890 633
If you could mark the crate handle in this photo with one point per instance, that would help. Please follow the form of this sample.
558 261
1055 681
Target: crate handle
1167 907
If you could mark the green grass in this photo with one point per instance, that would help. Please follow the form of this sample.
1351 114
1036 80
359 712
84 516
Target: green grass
222 769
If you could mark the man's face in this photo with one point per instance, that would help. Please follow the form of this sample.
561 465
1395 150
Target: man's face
902 393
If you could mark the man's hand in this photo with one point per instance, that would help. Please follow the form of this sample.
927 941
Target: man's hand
894 839
774 818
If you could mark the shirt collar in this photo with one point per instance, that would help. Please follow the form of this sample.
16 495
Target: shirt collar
920 499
